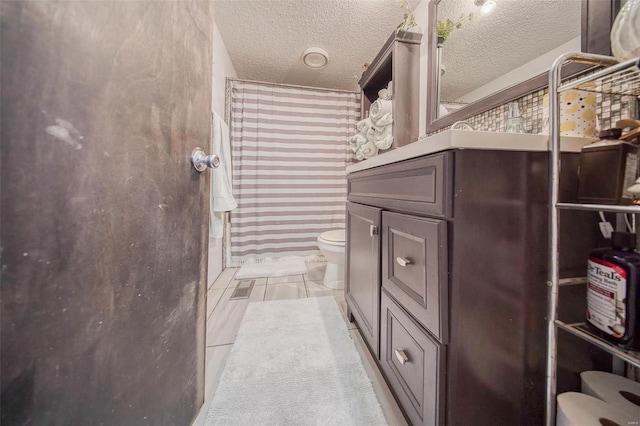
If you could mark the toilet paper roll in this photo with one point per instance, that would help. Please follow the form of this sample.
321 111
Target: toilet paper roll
616 390
577 113
578 409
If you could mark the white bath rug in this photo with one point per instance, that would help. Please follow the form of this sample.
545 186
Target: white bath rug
272 267
294 363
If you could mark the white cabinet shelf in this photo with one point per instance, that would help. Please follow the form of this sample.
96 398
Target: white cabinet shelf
397 61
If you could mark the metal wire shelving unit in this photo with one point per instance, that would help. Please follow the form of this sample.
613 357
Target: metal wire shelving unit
614 78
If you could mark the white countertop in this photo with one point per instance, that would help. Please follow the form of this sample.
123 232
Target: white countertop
467 139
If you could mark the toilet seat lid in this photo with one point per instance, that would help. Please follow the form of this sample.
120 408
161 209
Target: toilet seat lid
335 236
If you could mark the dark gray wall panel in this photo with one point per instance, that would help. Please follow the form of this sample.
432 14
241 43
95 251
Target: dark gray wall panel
104 225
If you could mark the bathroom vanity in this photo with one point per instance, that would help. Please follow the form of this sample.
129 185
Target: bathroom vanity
446 271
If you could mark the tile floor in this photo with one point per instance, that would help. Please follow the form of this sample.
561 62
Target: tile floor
224 316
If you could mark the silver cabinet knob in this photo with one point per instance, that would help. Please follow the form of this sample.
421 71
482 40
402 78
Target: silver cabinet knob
201 160
373 230
402 357
402 261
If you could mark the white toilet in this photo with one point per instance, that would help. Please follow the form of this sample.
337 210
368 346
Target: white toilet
331 244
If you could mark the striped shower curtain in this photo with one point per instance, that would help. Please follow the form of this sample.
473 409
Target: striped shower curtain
289 153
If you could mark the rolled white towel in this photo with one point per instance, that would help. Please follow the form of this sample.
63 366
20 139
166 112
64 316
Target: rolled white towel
369 150
358 140
359 154
384 94
390 89
385 120
364 125
383 132
386 142
371 134
378 109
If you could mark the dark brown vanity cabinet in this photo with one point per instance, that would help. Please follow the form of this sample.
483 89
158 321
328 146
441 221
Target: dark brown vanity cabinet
461 298
363 274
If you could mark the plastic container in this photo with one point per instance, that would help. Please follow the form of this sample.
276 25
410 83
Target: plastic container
625 33
612 291
607 168
515 122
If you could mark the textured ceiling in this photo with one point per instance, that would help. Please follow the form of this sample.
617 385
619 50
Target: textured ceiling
266 38
487 47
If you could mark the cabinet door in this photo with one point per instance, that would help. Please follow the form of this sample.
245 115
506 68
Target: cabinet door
363 270
414 268
413 363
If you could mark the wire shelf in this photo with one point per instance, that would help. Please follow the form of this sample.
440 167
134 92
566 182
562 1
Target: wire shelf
616 78
572 281
620 79
613 208
581 330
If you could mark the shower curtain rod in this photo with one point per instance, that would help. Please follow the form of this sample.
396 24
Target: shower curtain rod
266 83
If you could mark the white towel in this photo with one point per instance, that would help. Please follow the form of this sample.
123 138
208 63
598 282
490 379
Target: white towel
379 109
357 141
371 135
369 149
222 199
384 137
364 125
385 143
384 120
383 132
384 94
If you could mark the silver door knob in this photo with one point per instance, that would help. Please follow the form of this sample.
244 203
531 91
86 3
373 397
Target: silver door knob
201 160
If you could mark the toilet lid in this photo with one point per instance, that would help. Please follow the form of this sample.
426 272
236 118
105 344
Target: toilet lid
336 236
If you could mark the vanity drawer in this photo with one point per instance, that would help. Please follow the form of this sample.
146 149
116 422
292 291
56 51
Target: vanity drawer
414 364
414 268
417 186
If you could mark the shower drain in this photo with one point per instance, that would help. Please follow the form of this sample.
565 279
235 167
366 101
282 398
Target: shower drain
243 289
